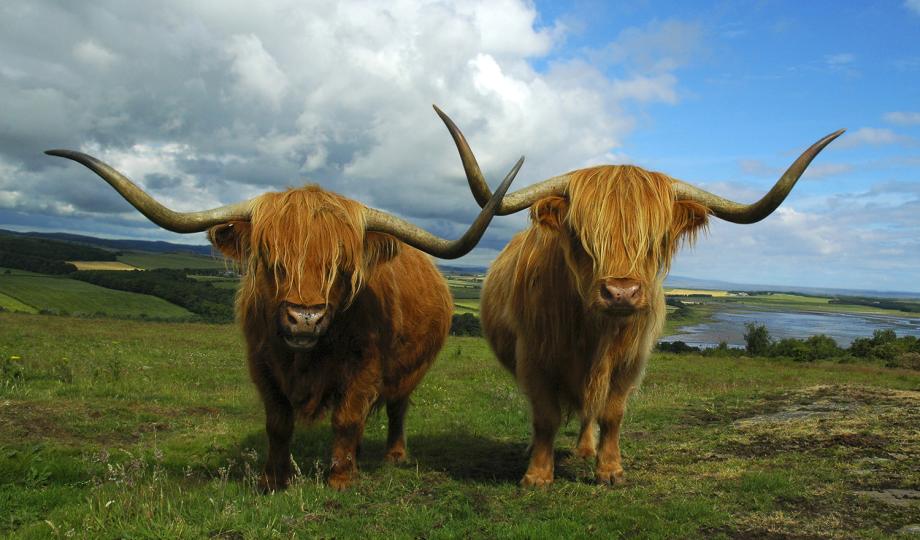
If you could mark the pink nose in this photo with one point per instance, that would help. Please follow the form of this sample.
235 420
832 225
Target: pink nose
297 320
619 294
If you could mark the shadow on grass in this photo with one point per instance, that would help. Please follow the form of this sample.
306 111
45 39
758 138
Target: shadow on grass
459 455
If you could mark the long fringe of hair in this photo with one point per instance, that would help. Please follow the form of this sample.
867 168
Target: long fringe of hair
622 215
293 232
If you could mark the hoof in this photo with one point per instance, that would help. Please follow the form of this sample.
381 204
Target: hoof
610 477
396 456
270 484
585 452
532 480
339 482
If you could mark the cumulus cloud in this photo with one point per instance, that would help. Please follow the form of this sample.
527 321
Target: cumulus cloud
873 137
904 118
206 103
257 71
839 59
913 5
660 46
756 167
834 241
92 53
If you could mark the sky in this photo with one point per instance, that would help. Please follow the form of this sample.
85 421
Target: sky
208 103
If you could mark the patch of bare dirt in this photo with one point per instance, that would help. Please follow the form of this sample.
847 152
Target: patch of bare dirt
857 421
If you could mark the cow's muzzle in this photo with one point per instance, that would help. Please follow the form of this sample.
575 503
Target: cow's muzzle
302 326
619 296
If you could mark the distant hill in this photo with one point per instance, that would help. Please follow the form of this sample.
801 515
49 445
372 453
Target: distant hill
465 270
683 282
154 246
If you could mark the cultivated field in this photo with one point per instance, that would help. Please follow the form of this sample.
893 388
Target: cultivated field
103 265
692 292
151 430
58 294
147 260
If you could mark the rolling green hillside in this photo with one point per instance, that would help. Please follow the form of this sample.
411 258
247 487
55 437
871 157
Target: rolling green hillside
62 295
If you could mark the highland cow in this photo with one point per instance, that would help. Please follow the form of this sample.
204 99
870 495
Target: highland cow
573 305
341 308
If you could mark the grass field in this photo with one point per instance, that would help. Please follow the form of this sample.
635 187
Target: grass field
151 430
148 261
60 294
466 306
11 304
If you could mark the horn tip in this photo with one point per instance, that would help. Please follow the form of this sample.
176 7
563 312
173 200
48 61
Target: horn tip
438 110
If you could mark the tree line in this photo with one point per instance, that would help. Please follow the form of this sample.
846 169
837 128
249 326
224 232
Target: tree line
47 256
884 346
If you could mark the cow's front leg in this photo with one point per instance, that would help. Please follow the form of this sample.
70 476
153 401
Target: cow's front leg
347 429
279 425
396 437
609 463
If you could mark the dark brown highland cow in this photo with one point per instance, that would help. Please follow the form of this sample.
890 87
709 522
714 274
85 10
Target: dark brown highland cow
573 305
341 310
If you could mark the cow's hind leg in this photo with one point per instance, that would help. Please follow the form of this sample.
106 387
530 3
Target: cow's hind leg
587 441
396 437
546 419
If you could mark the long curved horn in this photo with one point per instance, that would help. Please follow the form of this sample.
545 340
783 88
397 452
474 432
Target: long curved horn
720 207
754 212
180 222
417 237
514 202
188 222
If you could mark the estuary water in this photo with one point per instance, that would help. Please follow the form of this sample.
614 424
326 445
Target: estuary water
728 326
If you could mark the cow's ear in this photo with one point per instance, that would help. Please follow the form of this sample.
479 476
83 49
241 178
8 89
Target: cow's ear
379 248
689 218
549 212
231 238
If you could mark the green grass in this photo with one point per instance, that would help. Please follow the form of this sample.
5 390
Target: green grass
11 304
466 306
149 261
131 429
59 294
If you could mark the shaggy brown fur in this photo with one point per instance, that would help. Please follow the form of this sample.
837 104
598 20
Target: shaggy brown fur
391 314
540 304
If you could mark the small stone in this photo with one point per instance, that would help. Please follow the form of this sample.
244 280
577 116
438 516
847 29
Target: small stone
912 529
